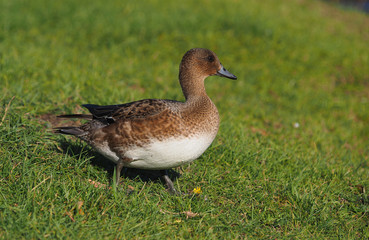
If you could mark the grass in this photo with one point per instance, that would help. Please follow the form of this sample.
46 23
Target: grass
290 159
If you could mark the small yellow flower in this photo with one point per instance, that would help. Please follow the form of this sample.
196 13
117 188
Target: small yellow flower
197 190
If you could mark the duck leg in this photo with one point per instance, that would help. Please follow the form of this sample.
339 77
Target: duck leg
169 182
118 169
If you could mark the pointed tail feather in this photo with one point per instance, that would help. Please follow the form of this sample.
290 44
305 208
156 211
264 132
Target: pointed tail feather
75 131
82 116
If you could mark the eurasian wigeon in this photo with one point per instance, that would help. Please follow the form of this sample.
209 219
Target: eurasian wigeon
157 134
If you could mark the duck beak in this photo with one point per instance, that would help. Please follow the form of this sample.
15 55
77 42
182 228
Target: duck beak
224 73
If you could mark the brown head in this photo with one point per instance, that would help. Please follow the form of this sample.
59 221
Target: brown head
196 65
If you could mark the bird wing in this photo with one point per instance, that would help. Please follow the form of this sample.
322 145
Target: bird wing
133 110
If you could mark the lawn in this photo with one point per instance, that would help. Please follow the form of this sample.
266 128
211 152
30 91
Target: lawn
291 156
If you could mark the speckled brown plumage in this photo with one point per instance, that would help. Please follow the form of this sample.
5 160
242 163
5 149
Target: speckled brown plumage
141 130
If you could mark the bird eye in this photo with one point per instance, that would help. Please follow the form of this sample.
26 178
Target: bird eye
211 58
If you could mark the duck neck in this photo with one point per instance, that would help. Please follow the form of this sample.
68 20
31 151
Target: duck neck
192 86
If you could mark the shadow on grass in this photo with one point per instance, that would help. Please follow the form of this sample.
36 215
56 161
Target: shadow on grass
77 148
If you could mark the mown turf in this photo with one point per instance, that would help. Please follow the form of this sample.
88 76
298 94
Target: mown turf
290 159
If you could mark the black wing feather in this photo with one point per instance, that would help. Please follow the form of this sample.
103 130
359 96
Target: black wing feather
137 109
102 111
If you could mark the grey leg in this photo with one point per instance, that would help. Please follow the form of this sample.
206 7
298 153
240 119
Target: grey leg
169 182
118 169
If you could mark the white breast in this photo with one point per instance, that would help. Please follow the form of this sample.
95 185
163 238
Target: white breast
169 153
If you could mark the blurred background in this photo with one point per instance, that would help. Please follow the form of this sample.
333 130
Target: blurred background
291 156
359 4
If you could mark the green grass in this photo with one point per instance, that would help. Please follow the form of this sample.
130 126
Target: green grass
302 62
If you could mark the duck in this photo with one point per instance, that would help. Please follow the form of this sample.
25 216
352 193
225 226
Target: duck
156 134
